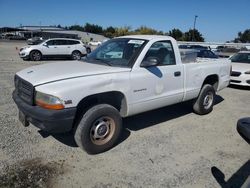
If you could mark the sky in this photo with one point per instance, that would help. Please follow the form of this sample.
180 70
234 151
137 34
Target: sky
218 20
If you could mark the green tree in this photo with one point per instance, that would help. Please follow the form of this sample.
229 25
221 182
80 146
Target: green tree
122 31
109 32
193 35
243 37
76 27
93 28
143 30
176 34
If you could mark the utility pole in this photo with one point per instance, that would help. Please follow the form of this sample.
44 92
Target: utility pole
195 17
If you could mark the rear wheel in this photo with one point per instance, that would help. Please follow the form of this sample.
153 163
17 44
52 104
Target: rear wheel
76 55
99 129
35 55
205 101
88 50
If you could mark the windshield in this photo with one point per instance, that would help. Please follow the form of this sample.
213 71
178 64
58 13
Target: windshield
117 52
39 42
241 58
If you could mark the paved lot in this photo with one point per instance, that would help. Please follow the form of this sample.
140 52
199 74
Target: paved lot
169 147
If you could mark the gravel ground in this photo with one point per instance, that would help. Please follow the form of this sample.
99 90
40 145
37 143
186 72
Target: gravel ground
169 147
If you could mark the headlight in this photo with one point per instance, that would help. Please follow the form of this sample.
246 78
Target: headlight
248 72
48 101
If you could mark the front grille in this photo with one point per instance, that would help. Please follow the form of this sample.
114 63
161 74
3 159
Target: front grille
235 81
24 89
235 74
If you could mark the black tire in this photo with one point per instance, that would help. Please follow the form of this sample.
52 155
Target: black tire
205 101
35 55
102 120
88 50
76 55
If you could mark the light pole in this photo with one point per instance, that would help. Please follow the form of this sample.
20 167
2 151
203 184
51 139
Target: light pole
195 17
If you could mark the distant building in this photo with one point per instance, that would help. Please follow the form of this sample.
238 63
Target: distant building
51 32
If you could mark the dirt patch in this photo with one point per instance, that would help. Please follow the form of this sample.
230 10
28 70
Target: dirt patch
31 173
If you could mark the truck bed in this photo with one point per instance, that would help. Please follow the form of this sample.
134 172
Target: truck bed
196 71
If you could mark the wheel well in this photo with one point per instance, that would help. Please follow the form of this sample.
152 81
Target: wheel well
213 80
35 51
76 51
113 98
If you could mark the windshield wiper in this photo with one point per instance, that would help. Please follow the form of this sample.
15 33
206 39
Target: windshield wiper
103 61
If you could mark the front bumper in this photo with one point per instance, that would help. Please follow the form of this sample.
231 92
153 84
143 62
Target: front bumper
23 54
52 121
241 80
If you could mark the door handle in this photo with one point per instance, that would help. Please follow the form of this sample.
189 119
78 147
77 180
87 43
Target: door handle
55 47
178 73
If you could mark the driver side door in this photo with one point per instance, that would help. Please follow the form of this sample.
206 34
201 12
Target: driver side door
49 48
157 86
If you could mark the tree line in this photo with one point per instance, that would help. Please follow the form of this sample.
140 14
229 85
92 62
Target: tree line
111 32
243 37
190 35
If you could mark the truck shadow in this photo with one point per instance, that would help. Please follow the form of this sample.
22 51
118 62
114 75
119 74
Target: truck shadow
140 121
68 138
154 117
236 180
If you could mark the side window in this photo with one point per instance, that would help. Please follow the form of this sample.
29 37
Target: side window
50 42
76 42
60 42
205 54
163 51
210 54
72 42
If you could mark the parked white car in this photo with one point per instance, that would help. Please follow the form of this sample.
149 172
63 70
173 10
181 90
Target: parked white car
125 76
240 69
95 43
56 47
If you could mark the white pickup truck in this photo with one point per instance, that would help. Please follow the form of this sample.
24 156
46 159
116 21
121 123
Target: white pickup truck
124 76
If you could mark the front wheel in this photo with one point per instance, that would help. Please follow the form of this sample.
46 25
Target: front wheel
99 129
76 55
35 56
205 101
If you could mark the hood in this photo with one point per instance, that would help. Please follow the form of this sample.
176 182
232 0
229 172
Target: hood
24 47
240 67
52 72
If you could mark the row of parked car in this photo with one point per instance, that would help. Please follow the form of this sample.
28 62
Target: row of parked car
202 51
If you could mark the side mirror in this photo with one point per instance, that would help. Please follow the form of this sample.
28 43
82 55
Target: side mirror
45 44
150 62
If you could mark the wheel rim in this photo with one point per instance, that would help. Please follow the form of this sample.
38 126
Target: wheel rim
208 100
102 130
76 55
36 56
